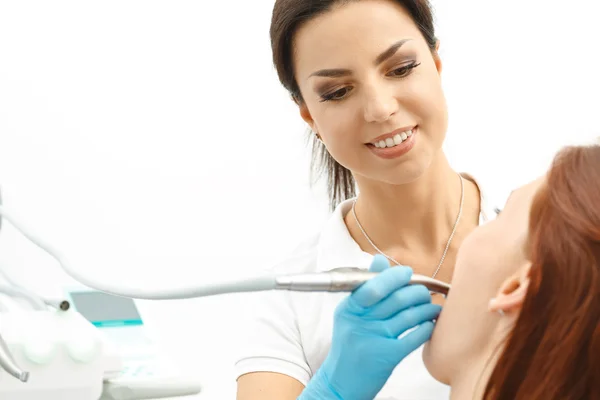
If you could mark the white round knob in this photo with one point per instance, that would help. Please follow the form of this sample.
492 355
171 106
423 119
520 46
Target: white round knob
83 349
40 350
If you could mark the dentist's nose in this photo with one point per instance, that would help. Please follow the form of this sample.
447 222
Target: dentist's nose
379 106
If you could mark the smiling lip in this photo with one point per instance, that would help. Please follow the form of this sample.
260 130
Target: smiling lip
393 133
397 150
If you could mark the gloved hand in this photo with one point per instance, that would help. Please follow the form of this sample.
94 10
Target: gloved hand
365 347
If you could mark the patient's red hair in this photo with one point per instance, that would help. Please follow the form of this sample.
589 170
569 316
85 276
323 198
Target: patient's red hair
554 350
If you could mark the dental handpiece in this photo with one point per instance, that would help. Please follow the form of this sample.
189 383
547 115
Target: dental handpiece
347 279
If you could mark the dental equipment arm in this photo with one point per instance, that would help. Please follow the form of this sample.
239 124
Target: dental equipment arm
34 301
37 302
339 280
8 363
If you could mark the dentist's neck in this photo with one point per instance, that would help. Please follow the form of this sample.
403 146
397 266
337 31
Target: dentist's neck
418 214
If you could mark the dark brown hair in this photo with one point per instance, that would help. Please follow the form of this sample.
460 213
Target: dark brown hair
288 16
554 350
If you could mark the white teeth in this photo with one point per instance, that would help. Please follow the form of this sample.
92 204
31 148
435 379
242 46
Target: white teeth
393 141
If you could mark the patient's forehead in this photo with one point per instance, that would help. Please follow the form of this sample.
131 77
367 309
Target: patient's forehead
511 229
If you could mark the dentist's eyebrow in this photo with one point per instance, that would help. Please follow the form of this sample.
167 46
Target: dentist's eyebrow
390 51
338 72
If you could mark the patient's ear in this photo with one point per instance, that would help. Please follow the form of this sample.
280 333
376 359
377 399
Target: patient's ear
512 293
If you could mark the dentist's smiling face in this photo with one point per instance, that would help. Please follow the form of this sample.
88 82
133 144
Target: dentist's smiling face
372 90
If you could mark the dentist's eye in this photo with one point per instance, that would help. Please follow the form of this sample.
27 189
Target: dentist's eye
404 70
337 95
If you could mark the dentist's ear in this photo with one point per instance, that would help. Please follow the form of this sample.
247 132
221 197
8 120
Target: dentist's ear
436 58
306 116
512 293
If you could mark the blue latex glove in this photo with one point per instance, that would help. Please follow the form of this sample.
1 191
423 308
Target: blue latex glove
365 347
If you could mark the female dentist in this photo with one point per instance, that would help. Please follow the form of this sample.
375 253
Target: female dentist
366 76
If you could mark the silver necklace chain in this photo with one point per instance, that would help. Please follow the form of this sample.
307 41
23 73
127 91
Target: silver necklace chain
460 209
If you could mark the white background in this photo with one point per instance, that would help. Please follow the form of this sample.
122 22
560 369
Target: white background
152 142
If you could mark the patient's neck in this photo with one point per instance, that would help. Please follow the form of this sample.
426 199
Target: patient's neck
471 381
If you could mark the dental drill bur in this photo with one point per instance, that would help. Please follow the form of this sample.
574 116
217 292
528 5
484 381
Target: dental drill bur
8 363
347 279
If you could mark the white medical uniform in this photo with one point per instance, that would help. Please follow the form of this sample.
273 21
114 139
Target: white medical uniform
290 332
